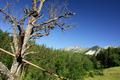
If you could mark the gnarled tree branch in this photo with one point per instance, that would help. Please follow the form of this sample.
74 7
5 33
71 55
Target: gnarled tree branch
53 19
34 7
13 21
40 6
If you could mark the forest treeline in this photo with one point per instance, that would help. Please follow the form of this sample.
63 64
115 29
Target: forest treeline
74 66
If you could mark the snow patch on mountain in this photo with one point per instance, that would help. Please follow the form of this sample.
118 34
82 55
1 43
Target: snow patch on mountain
91 52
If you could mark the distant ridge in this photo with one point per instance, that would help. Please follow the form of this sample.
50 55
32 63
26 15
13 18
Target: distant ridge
88 51
77 49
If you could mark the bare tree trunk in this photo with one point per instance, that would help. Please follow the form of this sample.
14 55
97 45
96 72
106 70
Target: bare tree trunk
22 35
16 70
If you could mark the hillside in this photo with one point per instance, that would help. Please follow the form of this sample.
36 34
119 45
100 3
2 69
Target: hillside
109 74
74 66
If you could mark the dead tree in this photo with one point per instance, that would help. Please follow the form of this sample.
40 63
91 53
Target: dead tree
22 34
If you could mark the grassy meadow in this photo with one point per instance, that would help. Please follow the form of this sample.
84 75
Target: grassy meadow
108 74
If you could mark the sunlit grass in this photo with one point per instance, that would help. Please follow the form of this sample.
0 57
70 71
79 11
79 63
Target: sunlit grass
109 74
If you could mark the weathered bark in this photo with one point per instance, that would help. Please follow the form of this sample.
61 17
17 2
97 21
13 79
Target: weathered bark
16 70
5 72
26 38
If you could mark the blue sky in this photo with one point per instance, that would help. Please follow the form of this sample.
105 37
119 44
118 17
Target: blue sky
97 22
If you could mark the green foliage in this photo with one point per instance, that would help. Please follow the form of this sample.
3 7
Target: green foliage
96 63
109 57
74 66
5 44
67 64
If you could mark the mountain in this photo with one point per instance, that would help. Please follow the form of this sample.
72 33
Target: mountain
89 51
76 49
93 50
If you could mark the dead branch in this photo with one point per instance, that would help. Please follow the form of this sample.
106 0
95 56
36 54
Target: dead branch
12 48
34 7
28 47
11 18
13 21
7 52
53 19
39 35
40 6
30 53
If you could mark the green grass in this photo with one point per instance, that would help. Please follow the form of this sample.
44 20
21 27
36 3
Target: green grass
109 74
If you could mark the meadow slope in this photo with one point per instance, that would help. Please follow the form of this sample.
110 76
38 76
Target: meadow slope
109 74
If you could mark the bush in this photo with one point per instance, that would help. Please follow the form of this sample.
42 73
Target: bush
67 64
